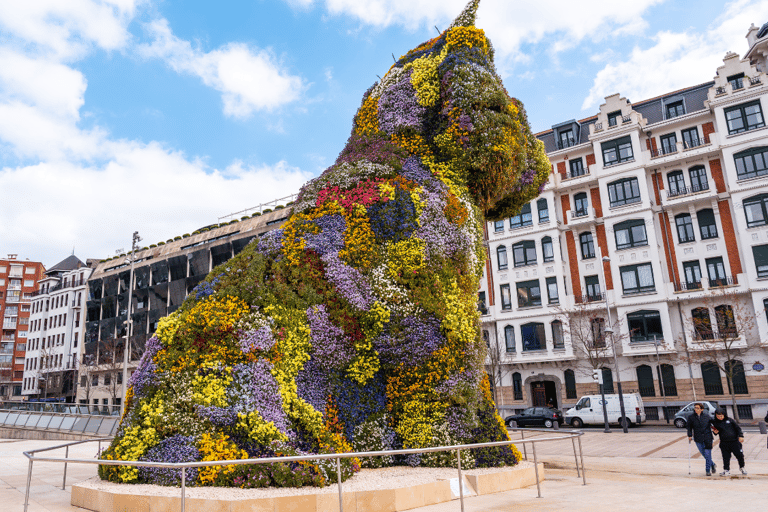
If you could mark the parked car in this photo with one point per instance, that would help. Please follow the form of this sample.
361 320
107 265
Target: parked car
681 417
589 410
536 417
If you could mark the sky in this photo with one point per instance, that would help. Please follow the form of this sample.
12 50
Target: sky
160 116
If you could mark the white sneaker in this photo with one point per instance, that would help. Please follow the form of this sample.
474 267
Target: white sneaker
725 473
743 471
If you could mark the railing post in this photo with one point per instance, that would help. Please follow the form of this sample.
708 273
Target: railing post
64 481
583 471
338 477
29 482
525 451
575 457
183 486
536 468
461 481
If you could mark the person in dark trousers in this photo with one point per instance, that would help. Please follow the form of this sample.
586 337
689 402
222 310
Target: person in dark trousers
700 431
731 437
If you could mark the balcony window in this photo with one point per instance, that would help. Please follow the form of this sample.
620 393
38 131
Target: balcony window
691 138
735 368
534 337
630 233
676 184
517 385
726 322
528 294
668 143
744 117
587 246
716 272
552 293
570 384
675 109
509 338
666 374
592 285
543 208
692 271
685 228
547 249
710 374
613 118
481 304
751 163
637 279
598 332
645 380
524 218
577 167
760 252
501 257
557 334
644 326
626 191
582 205
617 151
756 210
698 177
498 226
566 139
736 81
607 380
506 297
524 253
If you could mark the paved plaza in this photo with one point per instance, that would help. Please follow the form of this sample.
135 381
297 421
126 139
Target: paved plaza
636 471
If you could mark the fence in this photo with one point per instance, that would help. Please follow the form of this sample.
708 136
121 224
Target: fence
60 422
573 435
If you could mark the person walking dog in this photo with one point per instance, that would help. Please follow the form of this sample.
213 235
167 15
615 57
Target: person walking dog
700 431
731 437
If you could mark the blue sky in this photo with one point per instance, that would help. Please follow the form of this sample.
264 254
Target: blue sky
161 116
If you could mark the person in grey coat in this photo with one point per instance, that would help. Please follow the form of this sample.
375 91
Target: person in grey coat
700 431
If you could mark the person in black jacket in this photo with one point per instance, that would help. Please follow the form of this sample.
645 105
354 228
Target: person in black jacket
731 437
700 431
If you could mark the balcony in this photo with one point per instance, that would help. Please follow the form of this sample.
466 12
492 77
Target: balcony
723 282
695 143
688 287
589 297
754 80
684 191
663 151
582 215
578 174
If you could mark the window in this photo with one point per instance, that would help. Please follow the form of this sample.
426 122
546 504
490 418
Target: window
552 294
736 81
498 226
598 333
587 245
577 167
533 336
593 288
751 163
760 253
547 250
668 143
557 334
509 338
630 233
675 109
570 384
676 184
726 323
756 210
698 177
765 307
95 381
745 411
667 381
481 306
617 151
501 257
691 138
582 205
645 326
613 118
607 380
716 272
685 228
506 297
566 139
744 117
524 253
626 191
107 379
692 271
528 294
707 224
645 380
735 369
637 279
710 374
702 324
524 218
543 208
517 385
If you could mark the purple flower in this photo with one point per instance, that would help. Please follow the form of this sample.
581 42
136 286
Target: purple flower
218 416
271 242
173 449
331 236
255 389
399 108
146 373
349 282
312 383
411 342
329 345
260 339
441 238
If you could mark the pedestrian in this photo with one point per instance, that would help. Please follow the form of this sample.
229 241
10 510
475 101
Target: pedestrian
731 437
700 431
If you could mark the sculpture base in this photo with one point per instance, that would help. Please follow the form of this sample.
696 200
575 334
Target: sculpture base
371 490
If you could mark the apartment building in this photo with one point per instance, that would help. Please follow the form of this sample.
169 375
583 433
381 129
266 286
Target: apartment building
163 276
56 328
650 240
18 281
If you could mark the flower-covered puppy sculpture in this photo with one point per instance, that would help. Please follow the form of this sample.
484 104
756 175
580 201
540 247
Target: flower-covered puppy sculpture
353 327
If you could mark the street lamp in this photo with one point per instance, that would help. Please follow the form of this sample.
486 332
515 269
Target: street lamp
661 378
126 348
609 331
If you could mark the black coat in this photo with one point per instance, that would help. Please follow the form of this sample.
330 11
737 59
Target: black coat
727 429
699 427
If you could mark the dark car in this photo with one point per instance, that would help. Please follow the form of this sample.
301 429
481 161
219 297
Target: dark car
536 417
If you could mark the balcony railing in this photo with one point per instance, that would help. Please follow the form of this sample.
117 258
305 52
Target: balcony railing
566 143
626 119
582 213
663 150
687 287
754 80
723 281
695 143
684 191
590 297
571 174
719 91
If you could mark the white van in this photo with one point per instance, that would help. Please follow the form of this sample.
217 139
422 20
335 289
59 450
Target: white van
589 410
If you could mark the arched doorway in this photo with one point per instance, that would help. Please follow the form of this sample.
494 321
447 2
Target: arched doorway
545 390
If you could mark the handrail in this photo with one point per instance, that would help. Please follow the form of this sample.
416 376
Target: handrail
568 434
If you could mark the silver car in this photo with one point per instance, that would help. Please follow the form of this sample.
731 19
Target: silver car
681 417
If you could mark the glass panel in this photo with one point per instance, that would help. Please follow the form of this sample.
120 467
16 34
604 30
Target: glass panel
178 267
106 426
221 253
159 272
645 274
67 423
93 425
56 422
199 263
79 425
628 279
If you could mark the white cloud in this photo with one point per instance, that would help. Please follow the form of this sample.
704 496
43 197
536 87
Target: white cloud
249 79
677 59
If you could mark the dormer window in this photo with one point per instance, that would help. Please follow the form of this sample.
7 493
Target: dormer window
566 139
675 109
613 118
736 81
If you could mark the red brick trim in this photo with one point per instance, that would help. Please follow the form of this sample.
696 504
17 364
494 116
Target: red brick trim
573 264
717 175
561 169
707 129
596 203
590 159
669 247
602 242
565 202
730 237
655 179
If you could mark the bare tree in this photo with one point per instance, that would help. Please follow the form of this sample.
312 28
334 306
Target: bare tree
495 368
726 340
111 367
85 371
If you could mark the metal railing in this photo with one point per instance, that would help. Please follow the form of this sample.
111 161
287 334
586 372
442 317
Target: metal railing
684 191
573 435
60 422
685 286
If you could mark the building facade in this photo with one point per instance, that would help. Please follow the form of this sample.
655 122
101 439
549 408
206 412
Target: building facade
18 282
650 240
56 328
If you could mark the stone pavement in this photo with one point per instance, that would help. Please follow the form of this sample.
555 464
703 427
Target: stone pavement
635 472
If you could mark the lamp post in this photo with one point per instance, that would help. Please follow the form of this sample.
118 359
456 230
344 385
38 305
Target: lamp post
126 348
661 378
609 332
